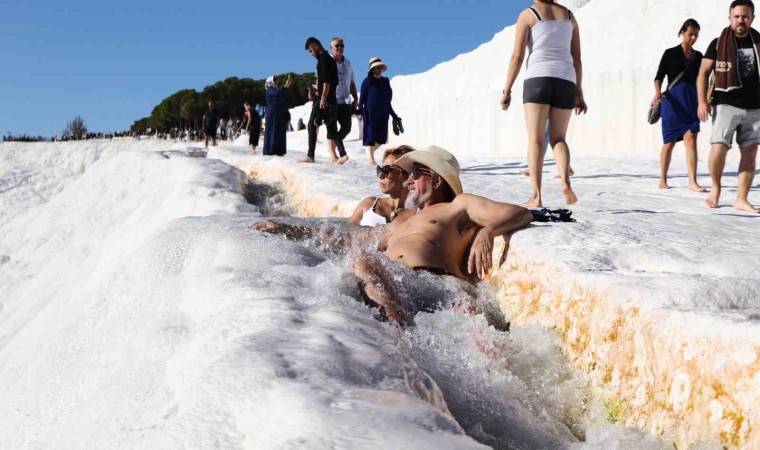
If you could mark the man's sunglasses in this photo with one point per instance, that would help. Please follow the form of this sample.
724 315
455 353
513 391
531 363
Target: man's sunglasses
339 46
417 172
384 171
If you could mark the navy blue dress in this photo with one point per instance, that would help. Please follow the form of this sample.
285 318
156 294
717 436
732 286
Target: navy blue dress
679 112
679 105
375 107
276 127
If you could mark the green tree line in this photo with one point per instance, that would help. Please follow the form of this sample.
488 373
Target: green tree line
184 108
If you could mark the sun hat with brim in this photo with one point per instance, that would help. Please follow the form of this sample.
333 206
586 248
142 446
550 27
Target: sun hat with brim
377 62
439 161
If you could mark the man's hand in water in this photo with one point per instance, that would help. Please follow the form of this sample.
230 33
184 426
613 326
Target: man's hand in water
481 253
272 227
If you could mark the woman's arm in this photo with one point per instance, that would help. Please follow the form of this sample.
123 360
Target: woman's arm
363 206
390 99
658 78
363 97
522 30
575 50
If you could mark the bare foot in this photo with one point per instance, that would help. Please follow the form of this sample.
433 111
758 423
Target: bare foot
570 173
664 185
696 187
334 160
525 173
372 162
743 205
570 197
342 160
712 200
532 203
305 159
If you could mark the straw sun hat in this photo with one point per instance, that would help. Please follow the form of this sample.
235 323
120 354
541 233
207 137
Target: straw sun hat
439 161
377 62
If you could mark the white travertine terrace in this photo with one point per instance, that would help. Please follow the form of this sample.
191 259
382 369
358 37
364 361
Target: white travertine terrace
652 294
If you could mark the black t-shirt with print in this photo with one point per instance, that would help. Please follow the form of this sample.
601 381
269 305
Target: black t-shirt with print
748 96
327 72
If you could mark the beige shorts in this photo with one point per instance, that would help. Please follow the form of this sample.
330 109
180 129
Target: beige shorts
728 120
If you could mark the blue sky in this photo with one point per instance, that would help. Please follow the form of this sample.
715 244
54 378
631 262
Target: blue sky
111 62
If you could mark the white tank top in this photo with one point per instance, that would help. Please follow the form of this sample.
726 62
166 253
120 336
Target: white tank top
549 49
372 219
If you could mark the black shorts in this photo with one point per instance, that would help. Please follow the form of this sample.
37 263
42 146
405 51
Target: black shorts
556 92
211 132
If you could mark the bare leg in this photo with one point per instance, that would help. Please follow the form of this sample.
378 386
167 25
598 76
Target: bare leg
746 175
558 122
543 149
690 141
535 123
371 153
378 284
717 164
331 149
665 155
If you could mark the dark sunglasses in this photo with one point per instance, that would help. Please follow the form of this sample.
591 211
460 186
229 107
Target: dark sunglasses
417 172
384 171
340 46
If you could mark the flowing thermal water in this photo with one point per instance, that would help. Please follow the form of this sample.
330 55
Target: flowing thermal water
138 310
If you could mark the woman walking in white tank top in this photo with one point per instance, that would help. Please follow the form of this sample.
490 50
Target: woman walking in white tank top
552 86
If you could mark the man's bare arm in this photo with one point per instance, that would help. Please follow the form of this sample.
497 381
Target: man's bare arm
496 219
703 110
325 92
328 234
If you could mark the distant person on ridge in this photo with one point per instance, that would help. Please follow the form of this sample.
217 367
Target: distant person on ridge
734 56
375 107
277 117
679 105
252 126
552 87
223 129
346 97
324 107
210 122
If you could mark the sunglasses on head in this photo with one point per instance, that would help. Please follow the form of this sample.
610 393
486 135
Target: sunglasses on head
417 172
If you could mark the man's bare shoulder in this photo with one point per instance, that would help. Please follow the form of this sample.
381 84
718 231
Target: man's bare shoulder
469 199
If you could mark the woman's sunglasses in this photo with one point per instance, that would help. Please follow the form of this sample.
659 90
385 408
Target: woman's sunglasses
384 171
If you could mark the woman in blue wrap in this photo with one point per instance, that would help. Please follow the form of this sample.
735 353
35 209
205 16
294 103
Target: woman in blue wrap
277 117
375 107
678 106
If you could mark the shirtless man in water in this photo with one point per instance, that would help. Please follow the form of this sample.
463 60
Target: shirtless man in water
442 231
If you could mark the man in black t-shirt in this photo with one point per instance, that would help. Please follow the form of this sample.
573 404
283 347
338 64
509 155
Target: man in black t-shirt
324 108
735 56
210 120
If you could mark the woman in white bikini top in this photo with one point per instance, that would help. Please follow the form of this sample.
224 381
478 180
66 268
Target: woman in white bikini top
375 211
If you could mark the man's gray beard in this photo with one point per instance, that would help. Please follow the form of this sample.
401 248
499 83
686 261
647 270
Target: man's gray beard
414 200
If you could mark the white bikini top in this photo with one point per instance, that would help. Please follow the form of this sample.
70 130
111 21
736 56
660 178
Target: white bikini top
372 219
